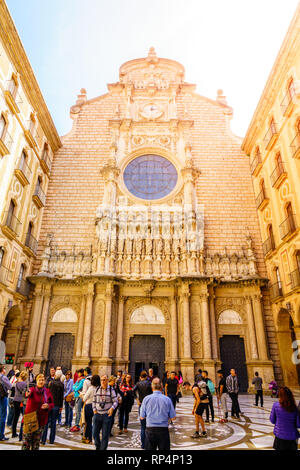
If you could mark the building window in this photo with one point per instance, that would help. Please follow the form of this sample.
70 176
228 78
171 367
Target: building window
1 255
21 275
3 125
150 177
10 214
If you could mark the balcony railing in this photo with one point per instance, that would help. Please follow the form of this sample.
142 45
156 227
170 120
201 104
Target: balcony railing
23 172
39 196
6 142
275 291
271 136
288 226
12 223
12 96
31 133
46 161
255 162
262 200
268 246
295 278
288 101
23 287
278 175
31 243
4 274
295 146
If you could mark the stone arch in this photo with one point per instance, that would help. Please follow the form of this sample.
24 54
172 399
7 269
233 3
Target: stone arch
11 332
237 305
136 303
147 314
65 315
287 345
230 316
60 306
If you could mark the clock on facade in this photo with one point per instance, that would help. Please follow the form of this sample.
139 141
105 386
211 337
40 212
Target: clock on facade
151 111
150 177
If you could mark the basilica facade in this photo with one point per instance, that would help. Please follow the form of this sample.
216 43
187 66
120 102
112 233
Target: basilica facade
150 253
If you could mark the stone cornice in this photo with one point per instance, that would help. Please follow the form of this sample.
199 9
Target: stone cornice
13 45
278 74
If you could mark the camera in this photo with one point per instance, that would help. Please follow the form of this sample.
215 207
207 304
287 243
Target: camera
102 405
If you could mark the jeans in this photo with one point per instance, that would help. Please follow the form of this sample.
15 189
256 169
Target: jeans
123 417
211 408
143 433
88 413
259 395
18 409
78 407
173 399
101 422
10 416
223 404
3 414
235 408
157 437
68 414
52 418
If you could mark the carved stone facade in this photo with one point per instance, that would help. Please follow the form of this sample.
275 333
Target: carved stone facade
185 265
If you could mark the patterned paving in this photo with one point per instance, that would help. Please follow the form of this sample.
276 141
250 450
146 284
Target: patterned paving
254 431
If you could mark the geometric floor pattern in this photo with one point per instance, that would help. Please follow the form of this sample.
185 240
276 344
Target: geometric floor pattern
253 431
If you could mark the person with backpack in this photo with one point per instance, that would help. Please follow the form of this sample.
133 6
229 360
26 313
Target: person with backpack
200 405
5 386
210 393
105 401
13 379
19 400
88 409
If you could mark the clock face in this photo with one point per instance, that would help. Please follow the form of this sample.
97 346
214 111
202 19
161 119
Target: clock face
150 177
151 111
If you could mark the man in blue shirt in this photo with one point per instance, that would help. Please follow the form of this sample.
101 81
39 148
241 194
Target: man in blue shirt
158 409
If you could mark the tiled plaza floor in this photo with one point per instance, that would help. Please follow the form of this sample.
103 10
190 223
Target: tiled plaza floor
254 431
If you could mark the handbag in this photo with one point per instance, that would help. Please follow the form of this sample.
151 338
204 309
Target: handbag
30 423
30 420
69 397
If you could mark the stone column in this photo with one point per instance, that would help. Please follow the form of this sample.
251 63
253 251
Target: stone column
174 335
205 326
186 323
260 329
107 323
44 322
251 328
80 327
213 325
35 321
186 362
120 328
86 340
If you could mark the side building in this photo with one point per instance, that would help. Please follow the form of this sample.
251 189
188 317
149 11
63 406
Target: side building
28 140
273 145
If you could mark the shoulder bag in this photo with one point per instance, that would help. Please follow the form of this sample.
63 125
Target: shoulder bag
31 423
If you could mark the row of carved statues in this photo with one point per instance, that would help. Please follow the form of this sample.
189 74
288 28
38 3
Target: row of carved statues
160 263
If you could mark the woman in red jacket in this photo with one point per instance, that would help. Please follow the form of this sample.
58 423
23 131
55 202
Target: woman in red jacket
39 399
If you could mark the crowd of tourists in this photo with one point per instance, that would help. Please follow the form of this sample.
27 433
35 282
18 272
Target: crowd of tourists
92 404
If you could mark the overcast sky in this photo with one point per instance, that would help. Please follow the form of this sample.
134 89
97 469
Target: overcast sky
227 44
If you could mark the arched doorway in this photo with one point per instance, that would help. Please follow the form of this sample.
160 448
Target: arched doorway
11 334
286 337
